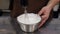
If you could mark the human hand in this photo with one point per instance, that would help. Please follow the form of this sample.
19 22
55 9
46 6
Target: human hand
44 13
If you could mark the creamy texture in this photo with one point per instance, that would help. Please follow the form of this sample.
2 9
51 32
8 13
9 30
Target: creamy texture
30 18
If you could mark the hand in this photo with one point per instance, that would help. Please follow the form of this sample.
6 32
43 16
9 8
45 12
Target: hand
44 13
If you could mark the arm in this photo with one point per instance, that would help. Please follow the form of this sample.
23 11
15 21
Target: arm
52 3
46 11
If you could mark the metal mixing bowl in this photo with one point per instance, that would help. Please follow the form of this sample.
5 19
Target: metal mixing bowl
29 28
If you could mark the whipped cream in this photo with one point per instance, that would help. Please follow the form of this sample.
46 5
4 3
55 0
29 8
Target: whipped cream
30 18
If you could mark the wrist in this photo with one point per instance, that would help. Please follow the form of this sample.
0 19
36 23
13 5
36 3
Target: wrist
50 7
52 3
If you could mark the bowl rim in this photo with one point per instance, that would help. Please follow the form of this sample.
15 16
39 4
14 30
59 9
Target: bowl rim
30 24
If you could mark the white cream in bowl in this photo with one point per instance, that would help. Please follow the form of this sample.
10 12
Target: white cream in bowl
30 18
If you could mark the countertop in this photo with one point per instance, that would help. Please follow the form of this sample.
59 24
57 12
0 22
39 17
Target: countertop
10 26
48 28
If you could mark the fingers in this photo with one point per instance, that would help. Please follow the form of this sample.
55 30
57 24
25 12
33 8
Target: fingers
40 12
44 13
44 18
41 24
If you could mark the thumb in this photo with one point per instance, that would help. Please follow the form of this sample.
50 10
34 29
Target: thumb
40 12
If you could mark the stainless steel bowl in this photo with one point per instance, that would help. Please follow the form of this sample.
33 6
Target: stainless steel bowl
29 28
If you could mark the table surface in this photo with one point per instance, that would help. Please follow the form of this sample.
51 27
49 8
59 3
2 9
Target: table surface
10 26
